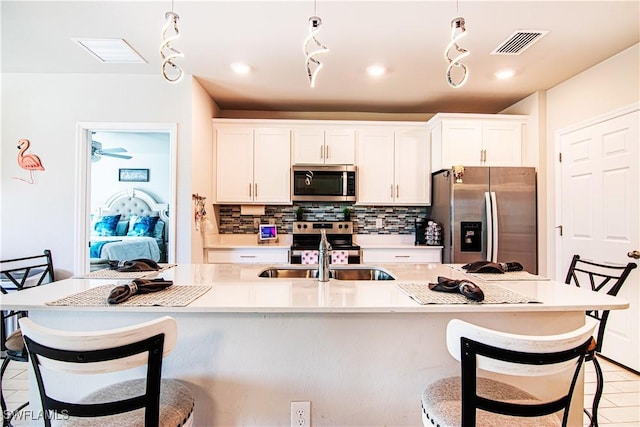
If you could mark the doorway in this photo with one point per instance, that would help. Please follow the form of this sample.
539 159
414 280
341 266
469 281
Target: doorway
600 206
122 148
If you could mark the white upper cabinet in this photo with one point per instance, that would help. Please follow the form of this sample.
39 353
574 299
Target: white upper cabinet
323 146
476 140
393 166
253 164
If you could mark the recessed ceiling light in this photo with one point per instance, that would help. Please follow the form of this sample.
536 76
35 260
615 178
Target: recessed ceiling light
505 74
240 68
376 70
111 51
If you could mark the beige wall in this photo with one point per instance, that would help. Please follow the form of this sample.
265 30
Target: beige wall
45 109
203 109
608 86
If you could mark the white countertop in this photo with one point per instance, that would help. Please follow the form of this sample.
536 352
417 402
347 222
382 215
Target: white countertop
236 288
365 241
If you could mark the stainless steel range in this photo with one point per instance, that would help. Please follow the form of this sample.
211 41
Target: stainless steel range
306 237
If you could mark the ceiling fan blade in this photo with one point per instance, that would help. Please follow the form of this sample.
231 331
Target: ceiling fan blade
114 150
120 156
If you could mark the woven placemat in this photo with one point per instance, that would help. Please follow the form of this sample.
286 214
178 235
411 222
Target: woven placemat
493 294
112 274
173 296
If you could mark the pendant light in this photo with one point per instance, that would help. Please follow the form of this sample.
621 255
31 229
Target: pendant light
453 53
170 71
312 48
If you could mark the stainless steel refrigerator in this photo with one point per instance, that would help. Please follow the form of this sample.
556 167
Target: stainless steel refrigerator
488 213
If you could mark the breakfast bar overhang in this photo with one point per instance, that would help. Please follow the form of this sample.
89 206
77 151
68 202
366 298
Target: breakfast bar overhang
360 351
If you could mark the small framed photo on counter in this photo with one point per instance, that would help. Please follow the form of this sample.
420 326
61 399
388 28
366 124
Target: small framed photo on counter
133 175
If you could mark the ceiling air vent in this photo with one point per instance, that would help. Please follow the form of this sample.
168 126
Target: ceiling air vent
518 42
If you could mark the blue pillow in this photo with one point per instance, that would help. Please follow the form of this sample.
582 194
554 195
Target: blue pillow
143 226
122 227
106 225
158 232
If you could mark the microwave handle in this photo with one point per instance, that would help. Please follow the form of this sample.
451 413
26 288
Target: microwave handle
344 183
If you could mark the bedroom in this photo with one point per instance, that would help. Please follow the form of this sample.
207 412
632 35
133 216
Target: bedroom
130 193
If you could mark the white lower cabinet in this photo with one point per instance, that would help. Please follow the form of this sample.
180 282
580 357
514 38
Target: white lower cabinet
413 255
248 256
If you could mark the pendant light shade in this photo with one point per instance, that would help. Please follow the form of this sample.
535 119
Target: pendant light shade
170 71
454 54
312 48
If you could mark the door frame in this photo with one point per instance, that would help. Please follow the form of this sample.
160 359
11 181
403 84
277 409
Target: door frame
560 270
82 199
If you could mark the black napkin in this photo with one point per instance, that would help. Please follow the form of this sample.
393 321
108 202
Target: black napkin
464 286
140 264
492 267
122 293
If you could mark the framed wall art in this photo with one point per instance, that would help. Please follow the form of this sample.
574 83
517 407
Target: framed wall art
133 175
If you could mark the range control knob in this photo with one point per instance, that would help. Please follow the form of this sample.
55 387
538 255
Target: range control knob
339 225
299 225
346 226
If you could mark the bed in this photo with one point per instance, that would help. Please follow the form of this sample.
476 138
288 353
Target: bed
130 224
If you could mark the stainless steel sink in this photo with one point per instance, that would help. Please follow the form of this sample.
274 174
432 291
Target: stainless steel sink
338 273
364 273
289 272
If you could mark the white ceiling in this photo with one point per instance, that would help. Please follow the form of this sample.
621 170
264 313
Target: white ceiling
408 36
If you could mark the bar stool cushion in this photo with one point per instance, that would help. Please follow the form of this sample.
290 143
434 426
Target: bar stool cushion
442 406
15 346
176 405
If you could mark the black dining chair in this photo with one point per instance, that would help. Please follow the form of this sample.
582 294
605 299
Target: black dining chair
605 278
146 400
16 275
474 398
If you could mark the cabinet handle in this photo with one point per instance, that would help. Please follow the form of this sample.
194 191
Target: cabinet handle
255 190
391 187
321 152
403 256
397 191
249 189
247 256
326 148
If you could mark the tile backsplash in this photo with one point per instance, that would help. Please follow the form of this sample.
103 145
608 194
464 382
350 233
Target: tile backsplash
395 219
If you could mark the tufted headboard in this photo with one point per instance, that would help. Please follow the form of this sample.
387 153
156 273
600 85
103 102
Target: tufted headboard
135 202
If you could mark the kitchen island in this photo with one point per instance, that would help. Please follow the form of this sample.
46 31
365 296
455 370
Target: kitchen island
360 351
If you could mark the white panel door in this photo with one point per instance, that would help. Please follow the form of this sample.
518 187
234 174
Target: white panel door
600 215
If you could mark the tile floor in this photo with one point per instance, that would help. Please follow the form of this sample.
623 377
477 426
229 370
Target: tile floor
620 404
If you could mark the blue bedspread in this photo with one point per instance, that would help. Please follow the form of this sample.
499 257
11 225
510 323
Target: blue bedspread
127 249
96 248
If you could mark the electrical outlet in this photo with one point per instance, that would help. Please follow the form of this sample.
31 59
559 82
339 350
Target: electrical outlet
379 223
256 222
301 414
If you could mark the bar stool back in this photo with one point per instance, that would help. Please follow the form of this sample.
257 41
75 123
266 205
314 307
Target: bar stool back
149 401
470 400
605 278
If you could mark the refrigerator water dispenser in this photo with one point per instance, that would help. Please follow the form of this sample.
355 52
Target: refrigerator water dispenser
471 236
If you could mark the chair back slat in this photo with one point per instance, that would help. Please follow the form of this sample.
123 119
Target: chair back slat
520 355
98 352
601 277
18 273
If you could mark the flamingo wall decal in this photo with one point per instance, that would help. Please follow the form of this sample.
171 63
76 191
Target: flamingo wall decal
30 162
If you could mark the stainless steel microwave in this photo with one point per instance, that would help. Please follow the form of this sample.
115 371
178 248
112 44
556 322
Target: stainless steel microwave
323 183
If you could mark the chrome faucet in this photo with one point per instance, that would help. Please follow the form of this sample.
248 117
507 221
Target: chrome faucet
323 257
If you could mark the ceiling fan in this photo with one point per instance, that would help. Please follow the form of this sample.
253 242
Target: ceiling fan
97 151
